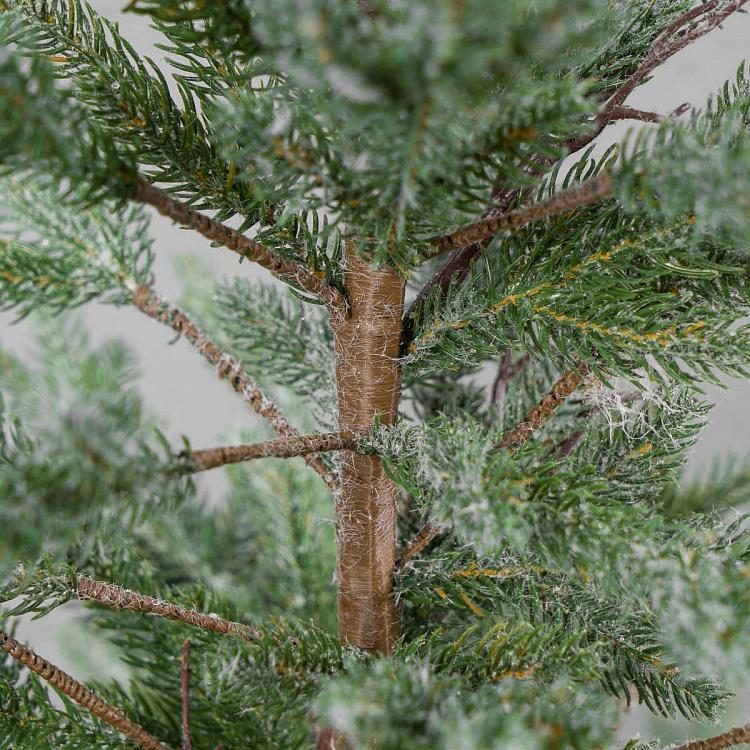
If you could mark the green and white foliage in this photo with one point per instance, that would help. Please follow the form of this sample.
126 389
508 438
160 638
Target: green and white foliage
621 293
711 151
56 256
597 505
129 99
42 126
78 448
393 700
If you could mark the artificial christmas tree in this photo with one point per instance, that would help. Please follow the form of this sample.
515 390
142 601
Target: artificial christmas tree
511 564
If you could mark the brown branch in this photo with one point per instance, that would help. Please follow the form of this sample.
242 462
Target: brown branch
592 191
511 440
568 382
673 39
79 693
187 743
736 736
418 543
150 303
629 113
288 447
287 270
112 595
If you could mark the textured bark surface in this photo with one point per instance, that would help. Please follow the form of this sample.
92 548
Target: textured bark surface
288 447
112 595
368 381
538 415
79 693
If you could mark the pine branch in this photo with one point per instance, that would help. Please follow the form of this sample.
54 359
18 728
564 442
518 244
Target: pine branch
79 693
456 267
187 743
592 191
288 447
289 271
112 595
514 439
568 382
731 738
150 303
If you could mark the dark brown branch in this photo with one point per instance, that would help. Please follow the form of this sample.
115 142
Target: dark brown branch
288 447
673 39
150 303
187 743
506 371
111 595
79 693
736 736
287 270
512 440
592 191
629 113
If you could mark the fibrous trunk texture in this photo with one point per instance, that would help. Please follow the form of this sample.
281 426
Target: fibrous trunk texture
368 382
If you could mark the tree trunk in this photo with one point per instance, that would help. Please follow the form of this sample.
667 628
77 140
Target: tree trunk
368 381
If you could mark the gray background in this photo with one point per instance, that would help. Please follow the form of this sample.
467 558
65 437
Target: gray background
184 391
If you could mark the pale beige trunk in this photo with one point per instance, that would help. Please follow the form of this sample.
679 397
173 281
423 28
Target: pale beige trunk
368 379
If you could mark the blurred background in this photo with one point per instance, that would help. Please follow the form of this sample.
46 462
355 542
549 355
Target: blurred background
183 391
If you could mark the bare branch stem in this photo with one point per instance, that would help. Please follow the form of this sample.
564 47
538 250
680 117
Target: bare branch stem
117 597
79 693
592 191
418 543
736 736
287 270
506 371
150 303
187 743
288 447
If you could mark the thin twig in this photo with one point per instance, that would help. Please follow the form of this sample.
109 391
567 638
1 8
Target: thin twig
150 303
736 736
187 743
79 693
511 440
592 191
287 270
288 447
506 371
112 595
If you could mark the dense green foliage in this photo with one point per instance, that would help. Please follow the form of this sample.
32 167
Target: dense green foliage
572 575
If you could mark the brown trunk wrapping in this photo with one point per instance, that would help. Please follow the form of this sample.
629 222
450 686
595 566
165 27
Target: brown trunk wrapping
368 381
